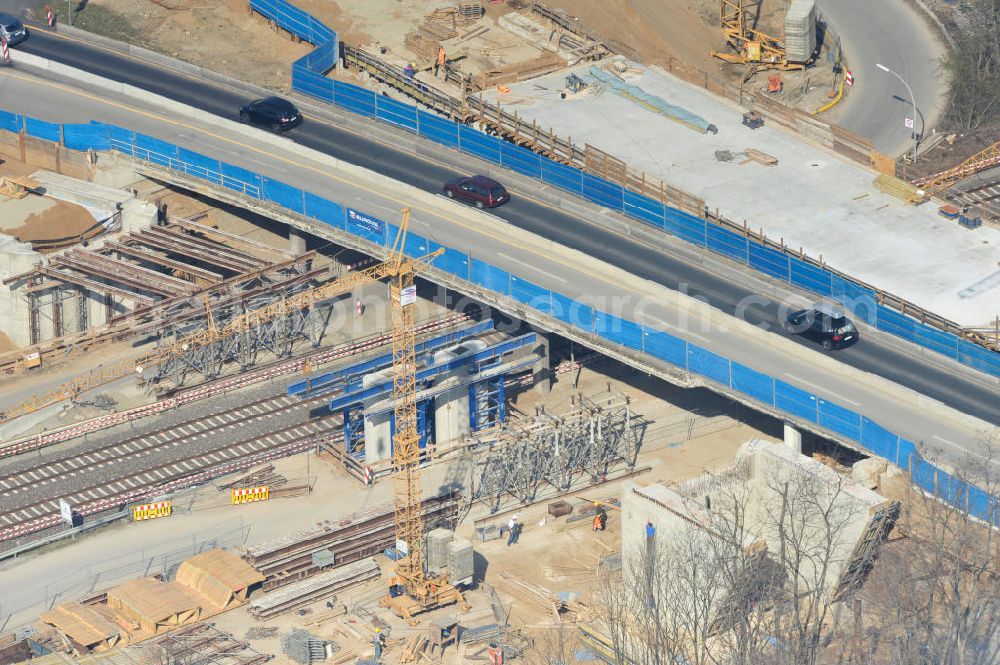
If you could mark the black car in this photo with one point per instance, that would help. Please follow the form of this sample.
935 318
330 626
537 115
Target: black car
275 113
824 324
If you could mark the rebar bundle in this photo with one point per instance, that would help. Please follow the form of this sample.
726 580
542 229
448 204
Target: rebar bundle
303 647
519 457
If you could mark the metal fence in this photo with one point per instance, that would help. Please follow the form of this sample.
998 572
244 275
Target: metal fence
726 373
863 301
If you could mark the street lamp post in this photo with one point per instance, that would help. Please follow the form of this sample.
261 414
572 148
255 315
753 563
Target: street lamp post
913 101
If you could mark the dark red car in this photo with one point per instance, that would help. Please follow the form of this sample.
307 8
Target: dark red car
479 190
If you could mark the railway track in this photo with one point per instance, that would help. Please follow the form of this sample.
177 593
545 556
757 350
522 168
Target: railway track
110 478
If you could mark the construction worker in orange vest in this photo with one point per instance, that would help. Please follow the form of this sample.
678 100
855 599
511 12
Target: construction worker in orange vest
600 517
442 59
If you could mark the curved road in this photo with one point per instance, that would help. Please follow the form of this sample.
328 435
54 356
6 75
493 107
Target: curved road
895 34
968 392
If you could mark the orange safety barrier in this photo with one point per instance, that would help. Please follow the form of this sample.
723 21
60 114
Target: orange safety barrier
149 511
250 494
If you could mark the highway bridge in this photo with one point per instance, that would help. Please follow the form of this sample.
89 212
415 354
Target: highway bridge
566 245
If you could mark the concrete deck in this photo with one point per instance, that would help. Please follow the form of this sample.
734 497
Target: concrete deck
811 198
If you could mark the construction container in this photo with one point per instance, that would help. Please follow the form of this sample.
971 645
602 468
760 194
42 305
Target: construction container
560 509
800 31
461 561
437 550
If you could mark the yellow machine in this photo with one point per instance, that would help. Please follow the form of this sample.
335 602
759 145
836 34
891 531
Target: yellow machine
752 47
411 590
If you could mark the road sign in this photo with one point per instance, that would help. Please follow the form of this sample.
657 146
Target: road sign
66 512
848 78
909 123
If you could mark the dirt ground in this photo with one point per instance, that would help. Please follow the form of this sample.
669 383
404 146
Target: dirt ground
60 220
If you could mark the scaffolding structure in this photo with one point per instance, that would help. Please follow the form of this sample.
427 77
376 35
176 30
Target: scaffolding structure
519 457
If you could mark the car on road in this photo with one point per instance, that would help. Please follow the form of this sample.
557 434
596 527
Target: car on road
12 28
478 190
275 113
824 324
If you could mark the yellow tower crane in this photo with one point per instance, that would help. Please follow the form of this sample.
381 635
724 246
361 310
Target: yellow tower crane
752 47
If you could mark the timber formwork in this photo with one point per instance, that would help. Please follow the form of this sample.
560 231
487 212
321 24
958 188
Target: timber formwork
518 458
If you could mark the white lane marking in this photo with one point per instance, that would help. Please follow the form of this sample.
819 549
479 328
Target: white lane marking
693 334
530 267
944 440
678 331
815 387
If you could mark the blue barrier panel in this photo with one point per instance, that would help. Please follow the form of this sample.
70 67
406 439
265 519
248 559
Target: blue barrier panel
794 400
92 136
768 260
857 300
290 18
907 451
199 165
367 226
453 262
666 347
602 192
726 242
396 113
618 330
531 294
935 340
325 211
436 128
521 160
709 364
311 83
11 122
878 439
893 322
983 506
840 420
923 474
978 357
490 277
415 245
564 177
154 150
120 137
353 98
644 208
241 179
684 226
476 143
809 276
572 312
324 57
48 131
284 195
756 384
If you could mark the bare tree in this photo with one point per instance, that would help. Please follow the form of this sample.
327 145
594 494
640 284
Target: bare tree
973 67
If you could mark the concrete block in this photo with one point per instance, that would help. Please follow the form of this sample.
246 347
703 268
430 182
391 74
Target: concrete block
438 542
867 472
461 560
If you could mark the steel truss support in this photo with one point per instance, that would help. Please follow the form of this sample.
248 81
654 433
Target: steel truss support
486 403
354 431
517 458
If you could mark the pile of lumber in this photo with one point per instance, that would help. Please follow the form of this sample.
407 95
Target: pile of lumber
901 189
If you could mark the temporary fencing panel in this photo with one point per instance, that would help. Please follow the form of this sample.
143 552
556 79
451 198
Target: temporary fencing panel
857 300
91 136
284 195
439 129
155 150
49 131
666 347
199 165
978 357
11 122
936 340
756 384
768 260
572 312
365 225
564 177
121 138
354 99
311 83
397 113
478 144
602 192
490 277
879 440
839 419
794 400
240 179
726 242
643 208
324 210
531 294
708 364
684 226
453 262
809 276
520 159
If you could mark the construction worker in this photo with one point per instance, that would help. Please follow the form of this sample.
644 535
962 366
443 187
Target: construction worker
410 70
378 642
513 531
600 517
442 59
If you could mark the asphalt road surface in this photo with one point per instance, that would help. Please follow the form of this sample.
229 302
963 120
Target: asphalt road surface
894 34
964 391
